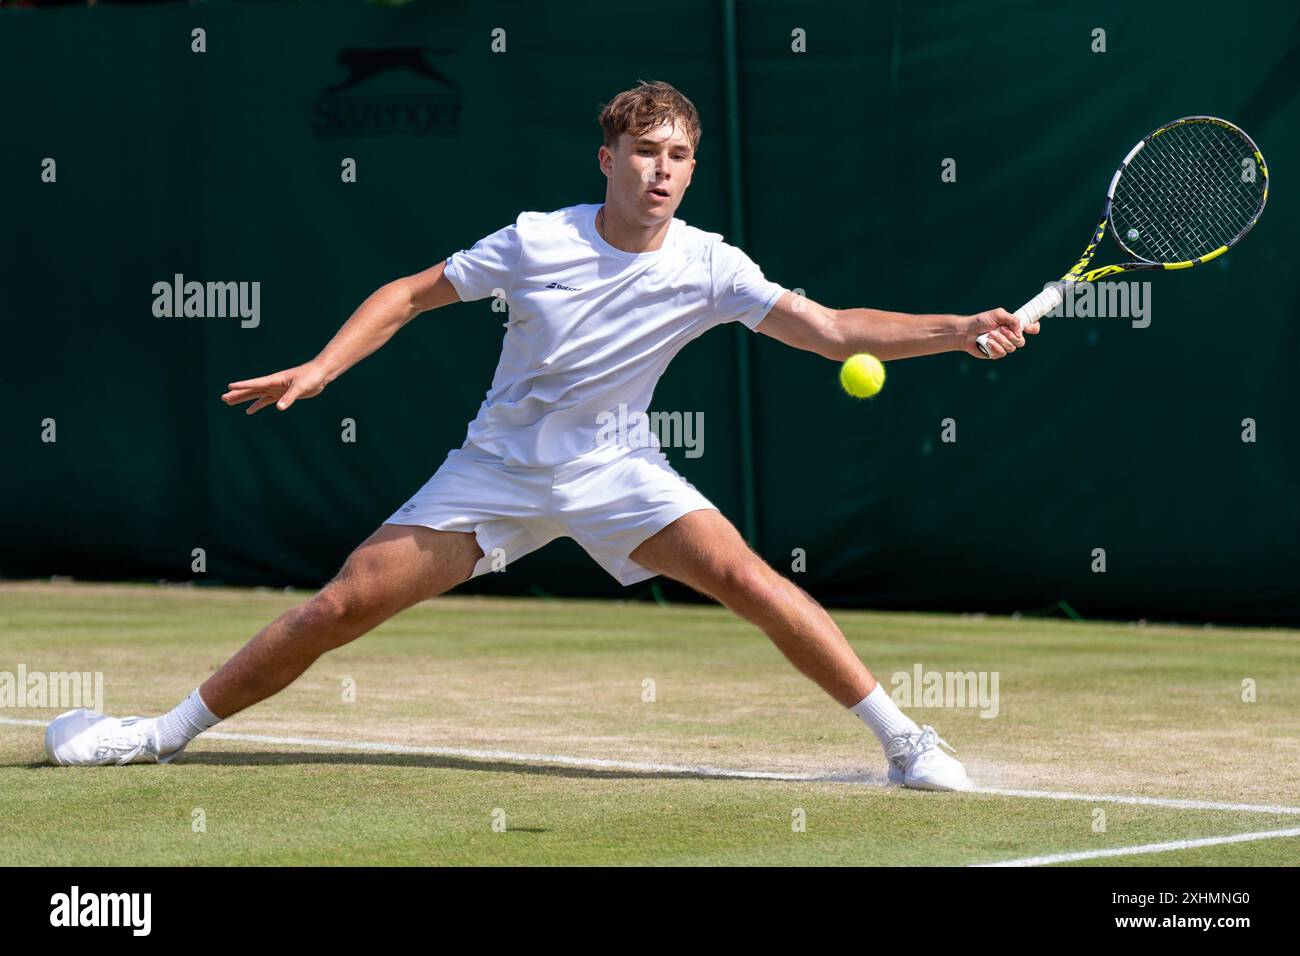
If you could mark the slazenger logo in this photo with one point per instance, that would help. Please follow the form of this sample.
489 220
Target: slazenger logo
377 99
103 909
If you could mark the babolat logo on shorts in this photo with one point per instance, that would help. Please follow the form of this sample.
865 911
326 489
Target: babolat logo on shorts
75 908
565 288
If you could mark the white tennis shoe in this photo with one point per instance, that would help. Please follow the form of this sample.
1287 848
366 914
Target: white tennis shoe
916 761
84 738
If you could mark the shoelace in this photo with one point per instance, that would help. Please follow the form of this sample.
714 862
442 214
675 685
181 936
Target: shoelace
929 737
121 745
910 743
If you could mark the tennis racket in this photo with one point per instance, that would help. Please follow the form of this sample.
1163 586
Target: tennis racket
1184 195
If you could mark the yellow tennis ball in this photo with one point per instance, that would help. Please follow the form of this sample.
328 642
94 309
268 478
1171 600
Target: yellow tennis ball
862 375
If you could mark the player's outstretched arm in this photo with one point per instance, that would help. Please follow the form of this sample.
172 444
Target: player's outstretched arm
838 333
375 322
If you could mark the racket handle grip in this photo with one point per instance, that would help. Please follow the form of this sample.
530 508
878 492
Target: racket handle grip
1030 312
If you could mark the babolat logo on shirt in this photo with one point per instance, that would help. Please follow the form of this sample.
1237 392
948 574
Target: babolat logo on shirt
75 908
566 288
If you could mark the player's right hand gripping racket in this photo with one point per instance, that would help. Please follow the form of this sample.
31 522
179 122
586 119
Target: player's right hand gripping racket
1184 195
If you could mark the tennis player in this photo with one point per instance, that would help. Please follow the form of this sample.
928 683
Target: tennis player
600 299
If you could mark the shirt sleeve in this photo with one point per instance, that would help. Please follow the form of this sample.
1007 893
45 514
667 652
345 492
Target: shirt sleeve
490 265
740 291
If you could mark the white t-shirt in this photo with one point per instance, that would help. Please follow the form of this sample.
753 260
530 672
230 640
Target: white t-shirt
592 328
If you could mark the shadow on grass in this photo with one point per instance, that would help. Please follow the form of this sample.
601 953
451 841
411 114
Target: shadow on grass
439 762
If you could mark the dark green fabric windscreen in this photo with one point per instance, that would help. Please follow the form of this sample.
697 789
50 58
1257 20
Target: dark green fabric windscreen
225 166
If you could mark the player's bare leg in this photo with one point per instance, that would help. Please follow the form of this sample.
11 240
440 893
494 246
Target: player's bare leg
705 551
396 567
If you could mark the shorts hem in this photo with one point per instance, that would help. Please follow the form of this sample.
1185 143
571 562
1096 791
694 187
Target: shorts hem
477 531
628 571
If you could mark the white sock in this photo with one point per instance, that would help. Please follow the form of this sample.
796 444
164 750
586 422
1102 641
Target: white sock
879 712
179 726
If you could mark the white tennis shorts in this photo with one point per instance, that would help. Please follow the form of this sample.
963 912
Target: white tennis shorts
608 508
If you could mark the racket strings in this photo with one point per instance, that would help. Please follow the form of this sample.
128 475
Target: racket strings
1186 193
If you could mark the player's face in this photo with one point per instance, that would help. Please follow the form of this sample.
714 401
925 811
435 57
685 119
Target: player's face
649 173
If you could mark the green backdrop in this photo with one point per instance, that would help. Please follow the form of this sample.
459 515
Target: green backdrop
225 166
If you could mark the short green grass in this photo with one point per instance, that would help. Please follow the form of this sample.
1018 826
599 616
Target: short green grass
1083 708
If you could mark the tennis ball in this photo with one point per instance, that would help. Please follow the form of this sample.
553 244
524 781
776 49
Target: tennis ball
862 375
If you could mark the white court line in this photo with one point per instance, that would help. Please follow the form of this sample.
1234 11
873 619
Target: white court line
1145 848
598 763
1171 803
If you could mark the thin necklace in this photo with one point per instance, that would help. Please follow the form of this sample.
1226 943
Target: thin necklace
600 222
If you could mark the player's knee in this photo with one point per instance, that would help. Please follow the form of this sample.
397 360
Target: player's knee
748 581
339 606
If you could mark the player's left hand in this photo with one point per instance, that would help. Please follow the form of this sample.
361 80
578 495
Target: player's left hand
1003 328
280 389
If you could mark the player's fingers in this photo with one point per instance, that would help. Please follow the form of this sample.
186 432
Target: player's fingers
289 396
258 405
239 395
994 348
1004 340
1032 328
1005 319
1010 339
263 381
1011 327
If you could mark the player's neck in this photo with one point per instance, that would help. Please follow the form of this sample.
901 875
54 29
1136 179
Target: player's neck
628 236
